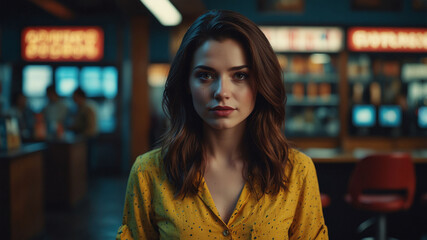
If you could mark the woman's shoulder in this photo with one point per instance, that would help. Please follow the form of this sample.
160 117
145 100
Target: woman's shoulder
148 162
299 160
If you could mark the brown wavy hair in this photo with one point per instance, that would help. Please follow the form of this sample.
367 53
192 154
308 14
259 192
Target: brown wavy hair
182 149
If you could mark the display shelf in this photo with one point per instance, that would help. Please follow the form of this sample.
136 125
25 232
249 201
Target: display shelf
381 81
305 78
360 79
332 100
313 98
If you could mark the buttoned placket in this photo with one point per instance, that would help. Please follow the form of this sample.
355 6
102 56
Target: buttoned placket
207 199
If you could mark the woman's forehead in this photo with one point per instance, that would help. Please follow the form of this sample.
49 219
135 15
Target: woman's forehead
226 52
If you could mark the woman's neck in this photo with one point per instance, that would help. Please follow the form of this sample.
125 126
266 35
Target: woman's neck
224 146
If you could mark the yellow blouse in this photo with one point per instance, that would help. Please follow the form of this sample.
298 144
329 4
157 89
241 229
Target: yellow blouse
152 212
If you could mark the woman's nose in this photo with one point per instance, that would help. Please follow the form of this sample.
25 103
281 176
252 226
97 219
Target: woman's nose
222 89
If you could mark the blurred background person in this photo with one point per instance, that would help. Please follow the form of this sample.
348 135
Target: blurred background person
55 112
84 121
25 116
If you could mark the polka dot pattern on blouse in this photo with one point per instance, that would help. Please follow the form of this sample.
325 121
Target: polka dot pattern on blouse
152 212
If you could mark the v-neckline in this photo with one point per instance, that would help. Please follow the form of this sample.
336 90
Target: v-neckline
207 198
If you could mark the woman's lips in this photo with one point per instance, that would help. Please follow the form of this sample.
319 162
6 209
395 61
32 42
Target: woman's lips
222 111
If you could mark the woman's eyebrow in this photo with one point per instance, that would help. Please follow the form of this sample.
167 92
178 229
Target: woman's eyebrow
204 68
236 68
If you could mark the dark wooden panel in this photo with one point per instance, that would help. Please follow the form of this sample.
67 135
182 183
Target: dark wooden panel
4 198
77 172
26 196
66 173
140 114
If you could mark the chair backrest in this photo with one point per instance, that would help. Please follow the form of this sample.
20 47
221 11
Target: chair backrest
384 172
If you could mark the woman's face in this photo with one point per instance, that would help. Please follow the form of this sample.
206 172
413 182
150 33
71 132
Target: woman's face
220 84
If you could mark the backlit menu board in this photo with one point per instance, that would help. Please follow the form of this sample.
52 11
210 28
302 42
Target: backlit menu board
304 39
372 39
57 44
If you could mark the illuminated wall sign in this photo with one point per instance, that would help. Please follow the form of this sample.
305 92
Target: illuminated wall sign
62 44
369 39
304 39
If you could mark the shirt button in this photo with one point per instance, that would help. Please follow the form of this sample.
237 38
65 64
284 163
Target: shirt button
226 233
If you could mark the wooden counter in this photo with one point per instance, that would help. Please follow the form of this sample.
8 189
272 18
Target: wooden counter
66 172
333 155
21 187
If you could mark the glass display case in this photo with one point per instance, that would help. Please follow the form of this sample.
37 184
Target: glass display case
395 88
309 58
388 70
311 82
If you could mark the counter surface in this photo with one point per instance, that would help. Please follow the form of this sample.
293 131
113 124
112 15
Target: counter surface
333 155
25 149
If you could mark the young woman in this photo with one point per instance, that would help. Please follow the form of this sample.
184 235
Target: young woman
224 170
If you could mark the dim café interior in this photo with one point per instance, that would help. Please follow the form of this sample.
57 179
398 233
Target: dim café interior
81 86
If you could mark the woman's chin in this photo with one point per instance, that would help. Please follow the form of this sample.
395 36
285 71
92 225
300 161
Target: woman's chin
222 125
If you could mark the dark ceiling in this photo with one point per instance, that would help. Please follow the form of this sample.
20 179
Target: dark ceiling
72 9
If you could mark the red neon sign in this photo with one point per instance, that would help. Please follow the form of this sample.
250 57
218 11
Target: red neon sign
62 44
370 39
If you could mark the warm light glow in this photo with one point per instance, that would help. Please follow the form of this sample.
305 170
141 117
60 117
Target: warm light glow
164 11
369 39
62 44
304 39
319 58
157 74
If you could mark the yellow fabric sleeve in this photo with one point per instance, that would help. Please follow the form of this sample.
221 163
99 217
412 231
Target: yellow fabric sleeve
308 221
137 214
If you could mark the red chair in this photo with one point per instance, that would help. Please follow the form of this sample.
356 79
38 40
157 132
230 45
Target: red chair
382 184
326 200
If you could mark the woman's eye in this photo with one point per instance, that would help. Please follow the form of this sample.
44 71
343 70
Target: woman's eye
205 75
241 76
